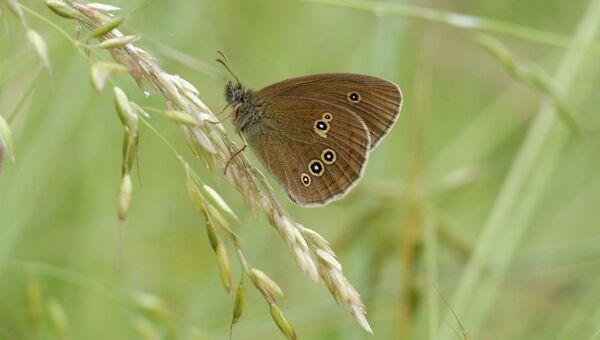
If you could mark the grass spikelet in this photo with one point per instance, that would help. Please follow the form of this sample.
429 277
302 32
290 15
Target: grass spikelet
181 118
61 8
329 259
282 322
216 217
103 7
58 319
126 115
224 266
212 193
130 122
35 303
238 306
125 196
107 27
212 235
146 329
39 44
223 262
6 138
152 305
266 285
100 72
194 194
118 42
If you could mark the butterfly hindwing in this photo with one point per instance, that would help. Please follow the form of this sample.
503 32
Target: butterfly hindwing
316 150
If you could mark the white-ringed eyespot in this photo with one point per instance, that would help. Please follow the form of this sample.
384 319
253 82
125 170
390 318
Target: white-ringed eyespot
328 156
316 167
305 178
321 128
354 97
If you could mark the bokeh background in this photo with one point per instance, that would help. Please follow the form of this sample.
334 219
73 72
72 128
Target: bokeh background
479 195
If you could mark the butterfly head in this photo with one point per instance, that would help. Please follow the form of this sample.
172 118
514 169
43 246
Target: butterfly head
235 93
241 99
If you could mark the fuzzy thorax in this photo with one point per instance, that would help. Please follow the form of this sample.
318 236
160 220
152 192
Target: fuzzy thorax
242 100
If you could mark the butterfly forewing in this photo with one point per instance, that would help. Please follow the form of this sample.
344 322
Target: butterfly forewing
376 101
316 150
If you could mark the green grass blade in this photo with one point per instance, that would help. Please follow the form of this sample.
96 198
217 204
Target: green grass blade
521 191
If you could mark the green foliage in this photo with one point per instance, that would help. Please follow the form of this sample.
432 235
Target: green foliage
481 193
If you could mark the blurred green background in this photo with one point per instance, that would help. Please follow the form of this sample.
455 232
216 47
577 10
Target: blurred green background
479 194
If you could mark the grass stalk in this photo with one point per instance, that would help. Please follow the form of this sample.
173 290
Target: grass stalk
212 145
462 21
521 192
431 269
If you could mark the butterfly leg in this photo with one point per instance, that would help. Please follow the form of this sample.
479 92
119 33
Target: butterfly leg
233 156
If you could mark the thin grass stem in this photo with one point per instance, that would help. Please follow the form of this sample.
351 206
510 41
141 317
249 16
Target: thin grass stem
462 21
521 191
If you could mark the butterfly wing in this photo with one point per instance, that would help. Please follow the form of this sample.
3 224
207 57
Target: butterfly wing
375 100
317 151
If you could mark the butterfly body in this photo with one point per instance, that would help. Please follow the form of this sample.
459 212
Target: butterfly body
315 133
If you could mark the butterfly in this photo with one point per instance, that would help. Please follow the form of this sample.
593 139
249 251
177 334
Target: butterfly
314 133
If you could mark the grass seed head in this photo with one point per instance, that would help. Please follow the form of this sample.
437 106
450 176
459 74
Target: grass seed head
102 70
194 194
103 7
126 114
329 259
213 146
153 305
39 44
107 27
238 305
61 8
282 322
125 194
212 193
6 144
224 266
213 237
266 285
118 42
58 318
181 117
33 297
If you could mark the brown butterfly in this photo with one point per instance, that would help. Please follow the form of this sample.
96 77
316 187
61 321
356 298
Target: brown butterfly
315 133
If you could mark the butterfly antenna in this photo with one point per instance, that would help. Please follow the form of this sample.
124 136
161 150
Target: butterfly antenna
225 62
